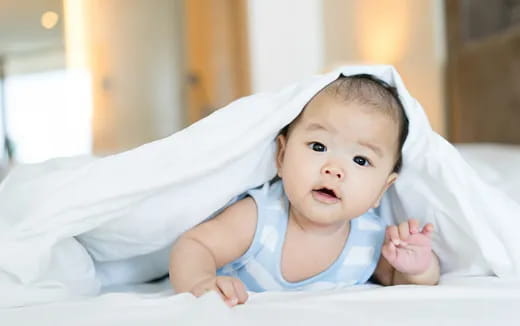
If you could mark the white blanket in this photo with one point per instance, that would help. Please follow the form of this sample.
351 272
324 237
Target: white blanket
59 217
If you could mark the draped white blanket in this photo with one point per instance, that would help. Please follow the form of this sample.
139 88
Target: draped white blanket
62 220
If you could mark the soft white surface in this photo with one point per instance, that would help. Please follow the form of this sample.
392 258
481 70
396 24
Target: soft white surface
497 164
122 209
469 301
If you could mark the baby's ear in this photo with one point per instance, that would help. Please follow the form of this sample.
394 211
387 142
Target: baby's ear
281 141
389 181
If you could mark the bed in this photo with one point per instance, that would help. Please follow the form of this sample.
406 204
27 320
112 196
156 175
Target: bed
68 203
456 301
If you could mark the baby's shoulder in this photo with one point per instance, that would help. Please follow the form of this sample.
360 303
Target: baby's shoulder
244 208
271 202
240 215
229 234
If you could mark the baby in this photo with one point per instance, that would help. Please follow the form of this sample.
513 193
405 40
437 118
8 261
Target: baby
313 227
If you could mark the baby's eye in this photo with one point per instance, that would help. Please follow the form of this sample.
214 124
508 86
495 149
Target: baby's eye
361 161
317 147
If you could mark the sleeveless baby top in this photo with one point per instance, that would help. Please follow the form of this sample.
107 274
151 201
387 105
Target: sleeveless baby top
259 268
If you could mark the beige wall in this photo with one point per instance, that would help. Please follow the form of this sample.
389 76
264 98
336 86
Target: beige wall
136 72
285 42
406 33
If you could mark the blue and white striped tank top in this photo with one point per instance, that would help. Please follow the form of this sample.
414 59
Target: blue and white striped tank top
260 266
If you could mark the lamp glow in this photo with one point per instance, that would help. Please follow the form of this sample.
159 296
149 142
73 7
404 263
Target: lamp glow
382 30
49 19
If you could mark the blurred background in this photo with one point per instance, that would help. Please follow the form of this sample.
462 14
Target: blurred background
103 76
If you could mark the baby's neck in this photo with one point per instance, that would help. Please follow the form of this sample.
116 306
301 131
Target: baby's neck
318 229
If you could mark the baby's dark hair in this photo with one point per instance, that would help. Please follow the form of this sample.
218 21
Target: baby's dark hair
371 91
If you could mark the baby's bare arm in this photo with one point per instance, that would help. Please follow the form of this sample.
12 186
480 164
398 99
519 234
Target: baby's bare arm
199 252
190 263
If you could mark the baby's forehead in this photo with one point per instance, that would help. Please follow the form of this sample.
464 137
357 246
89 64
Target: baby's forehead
321 109
356 128
368 127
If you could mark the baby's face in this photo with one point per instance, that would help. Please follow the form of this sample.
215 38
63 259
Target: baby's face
346 148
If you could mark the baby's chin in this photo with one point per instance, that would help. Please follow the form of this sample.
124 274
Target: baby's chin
324 219
330 215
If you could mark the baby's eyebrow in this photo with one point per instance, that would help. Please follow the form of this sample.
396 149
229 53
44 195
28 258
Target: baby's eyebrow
316 126
373 147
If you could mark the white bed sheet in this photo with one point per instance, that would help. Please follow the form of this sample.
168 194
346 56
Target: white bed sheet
456 301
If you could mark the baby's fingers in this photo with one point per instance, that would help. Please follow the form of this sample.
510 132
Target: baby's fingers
392 235
404 231
428 230
389 251
240 290
227 289
413 225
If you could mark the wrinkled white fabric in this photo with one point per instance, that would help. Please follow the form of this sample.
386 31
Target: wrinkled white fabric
497 164
123 208
468 301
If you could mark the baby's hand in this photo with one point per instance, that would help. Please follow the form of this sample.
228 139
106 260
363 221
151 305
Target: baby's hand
407 248
231 289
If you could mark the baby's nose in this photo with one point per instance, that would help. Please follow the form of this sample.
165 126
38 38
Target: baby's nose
334 172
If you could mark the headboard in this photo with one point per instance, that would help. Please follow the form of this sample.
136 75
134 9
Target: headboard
483 75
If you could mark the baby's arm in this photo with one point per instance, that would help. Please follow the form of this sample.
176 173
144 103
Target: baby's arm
199 252
407 256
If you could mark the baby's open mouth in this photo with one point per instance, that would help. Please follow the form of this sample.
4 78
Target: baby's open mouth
328 192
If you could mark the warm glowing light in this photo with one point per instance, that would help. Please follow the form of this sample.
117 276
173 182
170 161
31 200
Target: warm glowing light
49 19
76 18
382 30
76 33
